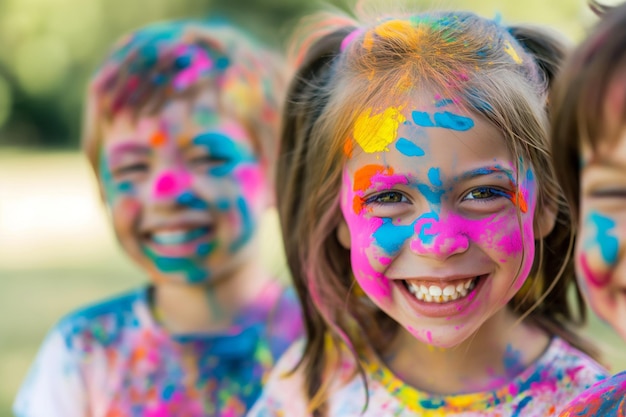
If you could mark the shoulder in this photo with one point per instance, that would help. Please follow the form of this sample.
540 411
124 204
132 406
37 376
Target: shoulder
285 324
606 398
560 374
283 392
103 322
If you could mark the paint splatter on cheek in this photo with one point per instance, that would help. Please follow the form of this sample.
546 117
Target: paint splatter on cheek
171 183
601 239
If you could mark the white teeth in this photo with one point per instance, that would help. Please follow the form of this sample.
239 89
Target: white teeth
169 237
449 290
436 294
435 291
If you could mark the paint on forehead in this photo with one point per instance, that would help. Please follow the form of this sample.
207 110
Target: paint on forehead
509 49
434 177
158 138
375 132
604 238
204 116
445 120
443 102
453 121
408 148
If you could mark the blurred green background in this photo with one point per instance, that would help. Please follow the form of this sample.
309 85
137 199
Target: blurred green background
57 251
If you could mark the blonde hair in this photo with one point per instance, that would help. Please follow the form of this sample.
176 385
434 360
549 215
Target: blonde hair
501 73
144 70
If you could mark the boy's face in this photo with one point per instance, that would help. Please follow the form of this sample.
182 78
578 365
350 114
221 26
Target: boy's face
185 188
600 260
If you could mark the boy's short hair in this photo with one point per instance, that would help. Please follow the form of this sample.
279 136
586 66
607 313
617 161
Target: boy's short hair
181 59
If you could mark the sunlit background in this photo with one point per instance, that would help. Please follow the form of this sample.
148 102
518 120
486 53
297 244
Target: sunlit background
57 251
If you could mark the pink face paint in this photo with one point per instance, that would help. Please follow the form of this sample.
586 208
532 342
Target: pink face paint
596 280
171 183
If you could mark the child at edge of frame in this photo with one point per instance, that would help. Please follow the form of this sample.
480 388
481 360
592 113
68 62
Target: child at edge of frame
181 124
589 154
424 228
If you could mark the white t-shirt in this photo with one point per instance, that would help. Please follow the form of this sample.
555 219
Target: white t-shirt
113 359
540 390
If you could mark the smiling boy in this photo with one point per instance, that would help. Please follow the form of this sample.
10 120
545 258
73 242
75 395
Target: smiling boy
180 126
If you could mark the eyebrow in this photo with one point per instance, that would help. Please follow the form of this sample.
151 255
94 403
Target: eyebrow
124 148
488 170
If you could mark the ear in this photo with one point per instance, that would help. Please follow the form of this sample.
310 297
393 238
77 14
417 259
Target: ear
343 234
545 219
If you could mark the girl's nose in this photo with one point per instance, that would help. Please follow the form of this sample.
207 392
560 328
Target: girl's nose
438 238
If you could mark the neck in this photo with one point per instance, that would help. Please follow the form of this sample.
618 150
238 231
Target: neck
211 307
494 355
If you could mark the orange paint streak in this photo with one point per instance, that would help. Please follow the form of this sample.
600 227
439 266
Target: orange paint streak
357 204
158 139
519 201
348 146
363 176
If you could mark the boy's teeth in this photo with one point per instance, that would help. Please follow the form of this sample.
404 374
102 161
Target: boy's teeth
436 294
175 237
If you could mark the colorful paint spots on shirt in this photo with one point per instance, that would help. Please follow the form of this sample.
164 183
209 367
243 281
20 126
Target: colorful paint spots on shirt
113 360
539 390
607 399
375 132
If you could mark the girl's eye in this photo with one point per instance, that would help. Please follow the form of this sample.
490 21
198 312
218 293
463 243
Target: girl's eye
484 193
388 197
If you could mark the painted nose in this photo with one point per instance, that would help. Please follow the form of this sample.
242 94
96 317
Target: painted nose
169 184
438 239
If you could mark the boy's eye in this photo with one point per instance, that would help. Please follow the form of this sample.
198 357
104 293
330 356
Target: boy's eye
608 193
388 197
130 169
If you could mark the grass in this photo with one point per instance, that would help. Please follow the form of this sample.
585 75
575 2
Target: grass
57 253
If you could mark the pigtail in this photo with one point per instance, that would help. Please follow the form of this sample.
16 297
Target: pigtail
549 305
306 99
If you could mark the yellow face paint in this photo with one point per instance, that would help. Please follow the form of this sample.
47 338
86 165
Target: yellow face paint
374 133
508 48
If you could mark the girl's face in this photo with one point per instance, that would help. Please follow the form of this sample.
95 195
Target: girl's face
600 264
440 237
185 188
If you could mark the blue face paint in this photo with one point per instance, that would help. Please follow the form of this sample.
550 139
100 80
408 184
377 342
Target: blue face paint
453 121
444 102
112 188
423 232
432 194
248 225
434 178
608 243
445 120
223 148
189 199
422 118
408 148
391 237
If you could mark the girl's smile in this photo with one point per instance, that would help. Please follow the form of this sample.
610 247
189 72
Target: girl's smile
440 221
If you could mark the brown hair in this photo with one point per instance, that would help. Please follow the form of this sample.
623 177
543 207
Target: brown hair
502 75
579 94
143 72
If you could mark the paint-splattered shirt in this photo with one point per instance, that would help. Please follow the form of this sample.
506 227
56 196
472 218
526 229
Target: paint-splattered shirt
542 389
607 399
113 360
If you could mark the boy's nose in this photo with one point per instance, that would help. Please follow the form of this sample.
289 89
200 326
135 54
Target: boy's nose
438 239
169 184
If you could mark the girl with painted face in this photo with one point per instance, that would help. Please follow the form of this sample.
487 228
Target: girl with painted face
423 225
589 153
181 126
